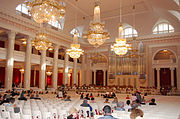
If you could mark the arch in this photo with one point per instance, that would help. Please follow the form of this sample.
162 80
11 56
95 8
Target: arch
164 49
129 31
162 26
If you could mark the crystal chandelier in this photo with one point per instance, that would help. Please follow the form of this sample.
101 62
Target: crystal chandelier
46 10
41 42
75 51
96 36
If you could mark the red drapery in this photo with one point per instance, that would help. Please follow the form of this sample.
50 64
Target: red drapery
16 76
99 77
37 79
155 77
165 77
2 75
71 80
49 80
60 79
32 78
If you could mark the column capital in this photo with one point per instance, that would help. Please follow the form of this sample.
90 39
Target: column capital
172 68
157 68
11 34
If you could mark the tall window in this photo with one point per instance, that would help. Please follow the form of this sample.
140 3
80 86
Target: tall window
130 32
23 9
163 28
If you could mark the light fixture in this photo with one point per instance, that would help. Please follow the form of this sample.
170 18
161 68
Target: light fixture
48 73
46 10
75 51
96 36
120 47
41 42
21 70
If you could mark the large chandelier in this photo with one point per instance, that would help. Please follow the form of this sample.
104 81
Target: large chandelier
96 36
41 42
46 10
75 51
120 47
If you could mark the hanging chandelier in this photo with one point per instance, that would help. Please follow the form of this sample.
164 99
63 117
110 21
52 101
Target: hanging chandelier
120 47
96 36
75 51
41 42
46 10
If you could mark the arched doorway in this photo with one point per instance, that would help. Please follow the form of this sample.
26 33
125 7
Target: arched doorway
164 71
99 78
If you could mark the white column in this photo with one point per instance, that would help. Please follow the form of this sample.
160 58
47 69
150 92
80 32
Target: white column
21 79
42 76
66 70
158 78
55 67
75 71
10 61
104 78
94 77
27 67
172 76
83 68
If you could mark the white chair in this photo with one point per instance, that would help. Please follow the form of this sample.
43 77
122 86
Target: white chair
23 116
27 111
2 108
47 115
15 116
54 113
5 115
36 115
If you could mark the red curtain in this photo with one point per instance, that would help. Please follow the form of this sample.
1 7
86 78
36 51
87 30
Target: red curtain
37 79
2 44
78 78
16 76
71 80
60 79
99 77
165 77
2 75
16 47
32 78
49 80
155 77
92 77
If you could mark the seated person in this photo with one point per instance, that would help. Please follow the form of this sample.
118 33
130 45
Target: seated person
85 104
73 113
115 100
127 97
37 96
32 96
87 97
136 113
143 102
60 94
107 113
68 98
82 96
152 102
127 106
106 100
120 106
22 97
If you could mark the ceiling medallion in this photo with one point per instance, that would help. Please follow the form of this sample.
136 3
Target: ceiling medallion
96 36
46 10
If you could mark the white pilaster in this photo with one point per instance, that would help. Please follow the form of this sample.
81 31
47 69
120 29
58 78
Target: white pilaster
66 70
94 77
42 75
158 78
75 71
172 76
27 67
104 78
55 67
10 60
83 67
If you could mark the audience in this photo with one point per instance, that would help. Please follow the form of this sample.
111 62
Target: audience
85 104
106 100
128 105
73 113
68 98
115 101
22 97
107 113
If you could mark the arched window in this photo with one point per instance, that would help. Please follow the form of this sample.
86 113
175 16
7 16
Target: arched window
163 28
23 9
130 32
